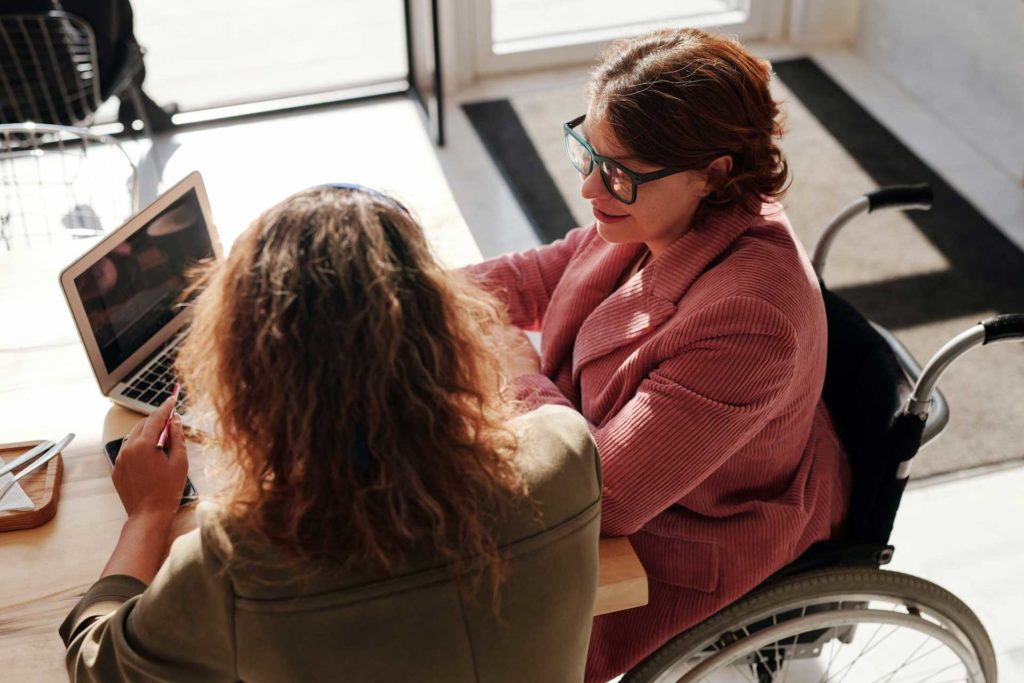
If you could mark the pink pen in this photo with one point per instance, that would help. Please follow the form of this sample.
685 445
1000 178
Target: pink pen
165 432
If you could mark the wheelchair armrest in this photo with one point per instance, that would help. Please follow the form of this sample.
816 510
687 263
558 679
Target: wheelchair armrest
1002 328
938 413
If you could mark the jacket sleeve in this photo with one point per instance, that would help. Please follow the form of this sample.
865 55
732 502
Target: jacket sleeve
525 281
178 629
735 362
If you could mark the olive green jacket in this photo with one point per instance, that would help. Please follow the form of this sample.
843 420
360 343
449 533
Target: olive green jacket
211 614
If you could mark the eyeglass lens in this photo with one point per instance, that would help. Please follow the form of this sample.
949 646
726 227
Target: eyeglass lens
579 155
617 182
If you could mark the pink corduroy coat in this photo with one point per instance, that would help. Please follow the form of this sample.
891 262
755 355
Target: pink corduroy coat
701 379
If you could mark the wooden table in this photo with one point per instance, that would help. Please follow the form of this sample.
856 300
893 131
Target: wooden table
46 390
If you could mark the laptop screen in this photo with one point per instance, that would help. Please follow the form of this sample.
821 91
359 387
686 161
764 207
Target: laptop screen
132 292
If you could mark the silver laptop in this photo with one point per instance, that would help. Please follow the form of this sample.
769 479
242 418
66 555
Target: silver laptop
125 294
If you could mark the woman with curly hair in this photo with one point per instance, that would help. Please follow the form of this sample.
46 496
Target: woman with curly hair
686 325
389 514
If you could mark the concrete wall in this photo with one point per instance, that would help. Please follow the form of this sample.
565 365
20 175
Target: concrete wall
964 61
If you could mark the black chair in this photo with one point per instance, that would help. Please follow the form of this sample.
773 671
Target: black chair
49 70
49 159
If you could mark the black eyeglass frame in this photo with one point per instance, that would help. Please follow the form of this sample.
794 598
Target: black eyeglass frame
568 129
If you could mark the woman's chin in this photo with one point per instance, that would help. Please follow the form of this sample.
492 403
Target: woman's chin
616 233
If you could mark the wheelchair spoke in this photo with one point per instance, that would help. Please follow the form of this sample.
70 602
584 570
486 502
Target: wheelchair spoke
757 653
869 645
786 667
743 668
911 658
775 622
787 664
929 677
834 650
845 671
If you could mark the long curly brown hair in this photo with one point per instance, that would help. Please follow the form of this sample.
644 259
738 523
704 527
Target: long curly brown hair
684 97
354 388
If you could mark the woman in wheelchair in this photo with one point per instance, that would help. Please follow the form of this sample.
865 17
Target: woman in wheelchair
687 326
390 516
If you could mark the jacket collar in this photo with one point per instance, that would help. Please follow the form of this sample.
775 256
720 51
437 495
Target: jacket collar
651 296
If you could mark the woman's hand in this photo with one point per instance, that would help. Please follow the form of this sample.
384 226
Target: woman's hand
520 356
148 480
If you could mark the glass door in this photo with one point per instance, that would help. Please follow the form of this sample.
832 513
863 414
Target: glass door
515 35
207 55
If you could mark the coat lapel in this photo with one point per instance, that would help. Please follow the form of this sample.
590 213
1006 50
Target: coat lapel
651 296
629 312
591 278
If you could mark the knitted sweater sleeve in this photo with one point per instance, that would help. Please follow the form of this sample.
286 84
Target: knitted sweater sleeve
735 361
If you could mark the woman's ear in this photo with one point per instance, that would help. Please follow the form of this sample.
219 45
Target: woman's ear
716 172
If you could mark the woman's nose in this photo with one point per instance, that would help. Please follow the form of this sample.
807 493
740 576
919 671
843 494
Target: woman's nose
593 187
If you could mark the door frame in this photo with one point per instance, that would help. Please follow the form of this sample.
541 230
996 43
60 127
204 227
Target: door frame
757 20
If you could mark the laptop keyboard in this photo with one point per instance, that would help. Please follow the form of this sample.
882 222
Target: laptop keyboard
153 386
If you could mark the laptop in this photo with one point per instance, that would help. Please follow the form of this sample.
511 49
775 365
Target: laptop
125 294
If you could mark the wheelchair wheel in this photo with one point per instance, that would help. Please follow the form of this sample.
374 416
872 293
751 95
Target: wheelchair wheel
827 626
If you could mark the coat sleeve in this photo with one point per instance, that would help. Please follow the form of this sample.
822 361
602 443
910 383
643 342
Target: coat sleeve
178 629
525 281
735 361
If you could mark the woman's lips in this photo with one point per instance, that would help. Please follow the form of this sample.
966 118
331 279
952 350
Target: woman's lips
607 217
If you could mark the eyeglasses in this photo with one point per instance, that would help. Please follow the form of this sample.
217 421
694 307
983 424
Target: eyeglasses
620 181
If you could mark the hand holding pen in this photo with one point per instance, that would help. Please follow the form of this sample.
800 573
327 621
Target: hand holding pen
148 484
162 439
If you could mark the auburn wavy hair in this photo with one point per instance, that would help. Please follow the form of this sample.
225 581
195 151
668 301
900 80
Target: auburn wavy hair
353 386
684 97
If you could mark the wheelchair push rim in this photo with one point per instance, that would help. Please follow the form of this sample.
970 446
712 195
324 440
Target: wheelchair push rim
828 626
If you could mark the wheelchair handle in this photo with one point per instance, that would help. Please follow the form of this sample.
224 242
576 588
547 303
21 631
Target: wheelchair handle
888 197
918 196
1008 327
1003 327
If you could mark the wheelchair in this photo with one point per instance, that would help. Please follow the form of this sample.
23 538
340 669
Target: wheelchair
833 614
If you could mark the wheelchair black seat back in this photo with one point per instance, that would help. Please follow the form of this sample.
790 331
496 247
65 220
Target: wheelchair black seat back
865 392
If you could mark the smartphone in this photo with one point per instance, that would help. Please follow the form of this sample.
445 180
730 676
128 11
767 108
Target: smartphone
189 495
